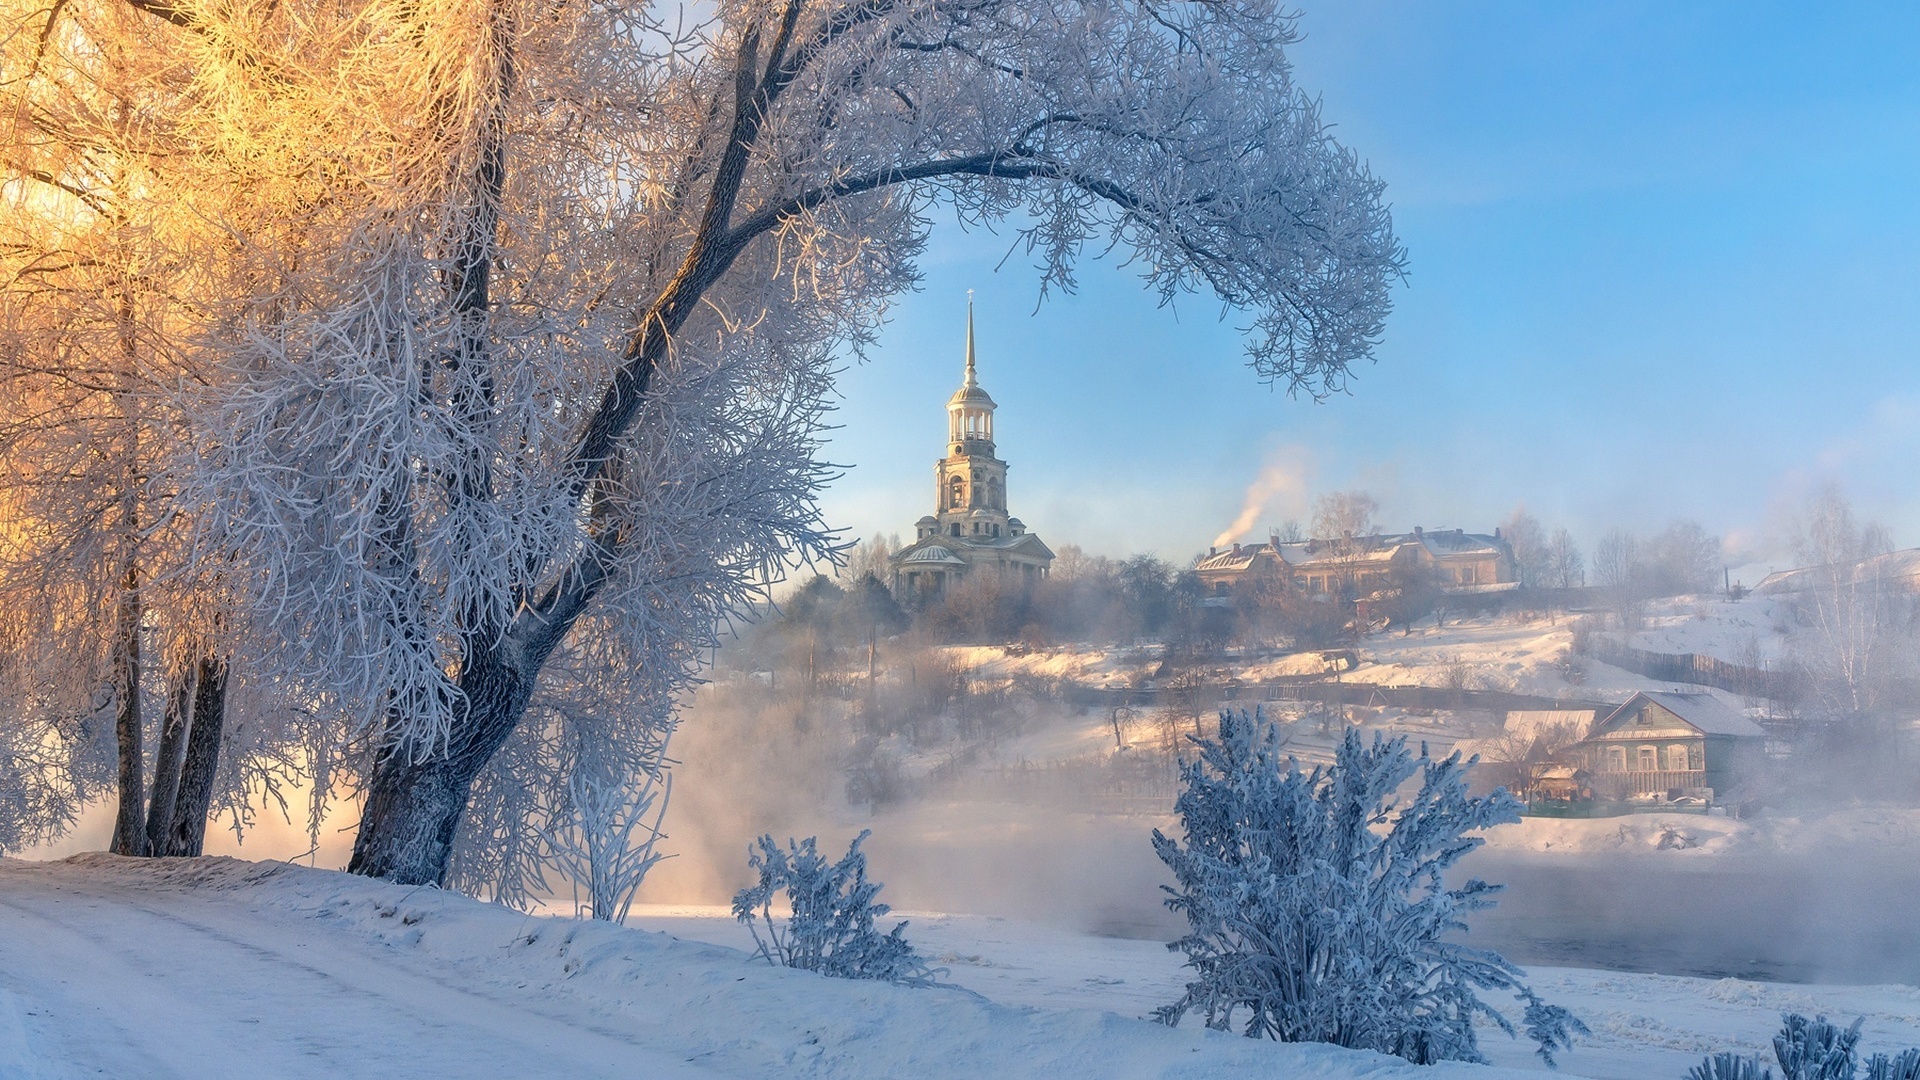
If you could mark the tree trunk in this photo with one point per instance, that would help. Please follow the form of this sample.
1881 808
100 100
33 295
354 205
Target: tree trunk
414 807
188 833
167 762
129 826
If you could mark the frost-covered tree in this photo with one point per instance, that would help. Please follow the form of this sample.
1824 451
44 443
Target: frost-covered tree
1343 515
112 620
522 317
1531 554
1851 611
1683 558
609 836
1317 903
1566 568
831 911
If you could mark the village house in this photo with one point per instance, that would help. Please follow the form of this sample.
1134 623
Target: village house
970 531
1665 746
1459 562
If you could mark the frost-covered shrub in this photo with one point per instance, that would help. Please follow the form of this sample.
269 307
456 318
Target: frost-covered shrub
1317 904
1728 1065
1814 1049
830 925
1811 1050
1902 1066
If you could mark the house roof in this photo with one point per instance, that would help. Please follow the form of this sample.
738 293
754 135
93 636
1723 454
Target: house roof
1901 566
1375 548
1703 712
1533 722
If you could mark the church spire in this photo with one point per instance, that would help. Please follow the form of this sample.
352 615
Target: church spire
970 379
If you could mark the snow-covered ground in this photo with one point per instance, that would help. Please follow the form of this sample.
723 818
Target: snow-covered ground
216 968
1644 1026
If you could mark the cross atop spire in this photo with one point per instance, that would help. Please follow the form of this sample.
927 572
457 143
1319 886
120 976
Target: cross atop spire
970 379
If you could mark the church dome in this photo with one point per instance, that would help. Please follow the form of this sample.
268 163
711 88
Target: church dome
934 554
971 396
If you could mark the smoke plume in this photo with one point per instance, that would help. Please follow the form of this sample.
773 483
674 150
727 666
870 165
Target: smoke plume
1285 474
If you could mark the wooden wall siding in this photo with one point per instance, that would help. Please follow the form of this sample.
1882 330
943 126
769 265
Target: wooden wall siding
1655 782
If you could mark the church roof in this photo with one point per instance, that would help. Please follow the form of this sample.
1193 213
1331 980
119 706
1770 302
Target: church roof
934 554
971 395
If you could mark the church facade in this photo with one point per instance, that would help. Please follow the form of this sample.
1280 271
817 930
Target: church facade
970 531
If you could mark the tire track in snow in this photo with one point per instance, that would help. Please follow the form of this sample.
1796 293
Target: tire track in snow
163 994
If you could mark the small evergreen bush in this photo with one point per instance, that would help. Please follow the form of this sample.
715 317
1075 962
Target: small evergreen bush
1316 900
829 928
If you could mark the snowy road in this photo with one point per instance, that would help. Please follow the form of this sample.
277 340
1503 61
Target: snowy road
171 984
149 969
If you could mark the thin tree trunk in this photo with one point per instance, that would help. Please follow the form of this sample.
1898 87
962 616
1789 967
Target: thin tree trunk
129 826
167 762
188 833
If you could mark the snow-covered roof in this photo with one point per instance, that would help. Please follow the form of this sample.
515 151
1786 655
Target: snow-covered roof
1901 566
1703 712
1374 548
1534 722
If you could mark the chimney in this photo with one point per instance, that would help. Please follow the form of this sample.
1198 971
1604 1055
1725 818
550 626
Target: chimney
1211 552
1236 550
1416 530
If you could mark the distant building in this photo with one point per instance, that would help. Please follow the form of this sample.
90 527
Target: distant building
1668 745
969 531
1895 569
1459 562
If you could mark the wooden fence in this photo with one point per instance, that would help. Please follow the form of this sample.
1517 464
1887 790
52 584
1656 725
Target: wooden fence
1785 687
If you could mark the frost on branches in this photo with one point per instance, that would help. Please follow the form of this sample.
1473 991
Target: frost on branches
513 326
1317 902
832 910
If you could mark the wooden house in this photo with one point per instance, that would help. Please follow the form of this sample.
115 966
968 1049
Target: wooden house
1668 746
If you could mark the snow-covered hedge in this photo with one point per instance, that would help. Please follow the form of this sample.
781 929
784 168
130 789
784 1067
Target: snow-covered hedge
1317 903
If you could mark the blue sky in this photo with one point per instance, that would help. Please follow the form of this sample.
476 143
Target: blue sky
1664 262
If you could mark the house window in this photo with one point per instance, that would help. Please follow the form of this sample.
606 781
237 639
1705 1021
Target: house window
954 528
1677 758
1616 759
1649 759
